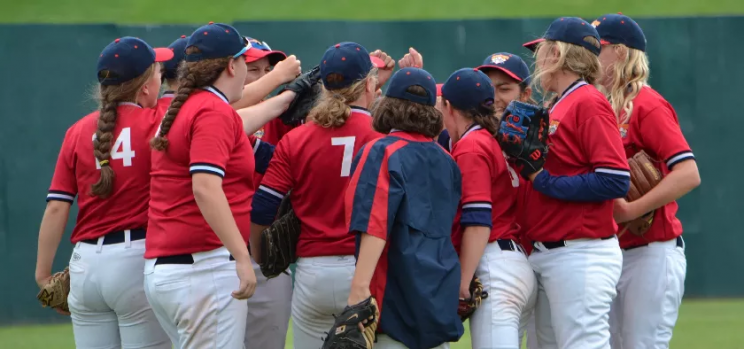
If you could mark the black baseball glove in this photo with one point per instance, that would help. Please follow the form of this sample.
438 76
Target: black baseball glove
523 135
279 242
307 87
346 333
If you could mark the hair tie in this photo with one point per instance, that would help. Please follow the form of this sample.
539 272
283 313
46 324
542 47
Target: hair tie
103 162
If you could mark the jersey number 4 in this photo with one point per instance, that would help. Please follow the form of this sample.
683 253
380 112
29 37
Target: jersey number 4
122 148
348 143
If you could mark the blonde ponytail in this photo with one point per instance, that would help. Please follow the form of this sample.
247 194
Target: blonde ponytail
332 108
628 75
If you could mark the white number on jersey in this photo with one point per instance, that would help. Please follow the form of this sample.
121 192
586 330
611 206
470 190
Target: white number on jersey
512 174
122 148
348 143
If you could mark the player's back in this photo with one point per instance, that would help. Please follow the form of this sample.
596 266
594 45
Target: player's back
126 207
320 165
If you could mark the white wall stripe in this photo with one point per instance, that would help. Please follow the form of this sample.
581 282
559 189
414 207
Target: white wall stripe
271 191
214 169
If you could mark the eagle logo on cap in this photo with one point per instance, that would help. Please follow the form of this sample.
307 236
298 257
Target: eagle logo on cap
595 23
498 59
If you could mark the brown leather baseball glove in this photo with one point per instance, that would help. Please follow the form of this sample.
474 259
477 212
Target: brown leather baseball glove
644 176
54 293
467 307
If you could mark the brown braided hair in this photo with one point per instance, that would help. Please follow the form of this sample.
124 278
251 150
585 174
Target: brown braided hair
109 97
191 75
483 115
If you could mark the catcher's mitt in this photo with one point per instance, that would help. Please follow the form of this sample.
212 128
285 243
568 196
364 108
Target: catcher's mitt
345 333
279 242
477 294
644 176
54 293
523 135
307 87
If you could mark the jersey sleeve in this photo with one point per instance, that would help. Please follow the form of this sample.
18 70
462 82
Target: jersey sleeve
601 143
476 189
375 191
212 141
274 185
661 133
262 152
64 184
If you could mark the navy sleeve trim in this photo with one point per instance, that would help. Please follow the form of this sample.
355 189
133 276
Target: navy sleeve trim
477 205
480 217
265 205
679 157
615 172
203 167
262 153
271 191
589 187
58 195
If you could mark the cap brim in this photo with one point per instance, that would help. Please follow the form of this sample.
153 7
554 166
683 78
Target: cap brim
532 45
506 71
378 63
163 54
255 54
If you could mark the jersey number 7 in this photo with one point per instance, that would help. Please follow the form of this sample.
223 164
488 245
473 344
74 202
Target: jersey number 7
348 143
122 148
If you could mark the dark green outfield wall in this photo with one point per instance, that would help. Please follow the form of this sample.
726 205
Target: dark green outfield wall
49 70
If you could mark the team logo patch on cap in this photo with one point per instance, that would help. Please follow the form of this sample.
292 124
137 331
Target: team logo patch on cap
499 59
595 23
553 127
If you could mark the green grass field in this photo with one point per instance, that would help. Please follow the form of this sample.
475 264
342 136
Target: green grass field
702 324
192 11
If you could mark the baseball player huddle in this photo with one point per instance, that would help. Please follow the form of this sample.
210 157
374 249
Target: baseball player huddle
418 209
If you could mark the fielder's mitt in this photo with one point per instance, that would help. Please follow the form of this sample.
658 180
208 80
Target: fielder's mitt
54 293
644 176
307 87
279 242
468 306
523 135
345 333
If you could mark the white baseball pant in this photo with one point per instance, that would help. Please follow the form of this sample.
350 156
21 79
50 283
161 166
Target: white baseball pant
576 286
322 286
193 302
510 282
530 332
268 312
107 301
649 295
385 342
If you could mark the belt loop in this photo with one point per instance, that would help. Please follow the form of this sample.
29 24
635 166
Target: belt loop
539 246
99 245
127 238
77 245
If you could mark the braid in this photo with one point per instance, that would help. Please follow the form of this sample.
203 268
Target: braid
103 142
185 88
191 75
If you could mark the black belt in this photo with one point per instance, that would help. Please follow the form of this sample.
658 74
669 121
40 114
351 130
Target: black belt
179 259
509 245
118 237
680 243
561 243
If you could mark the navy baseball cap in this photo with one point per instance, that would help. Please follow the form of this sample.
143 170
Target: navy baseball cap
260 49
468 88
179 51
127 58
508 63
407 77
571 30
216 40
620 29
348 59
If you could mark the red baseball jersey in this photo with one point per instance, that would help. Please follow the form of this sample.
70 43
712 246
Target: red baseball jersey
583 139
165 100
654 128
489 187
521 213
315 163
206 137
273 131
77 169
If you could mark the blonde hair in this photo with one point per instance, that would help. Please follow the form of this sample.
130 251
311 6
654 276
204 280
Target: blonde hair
332 108
629 74
572 58
109 97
